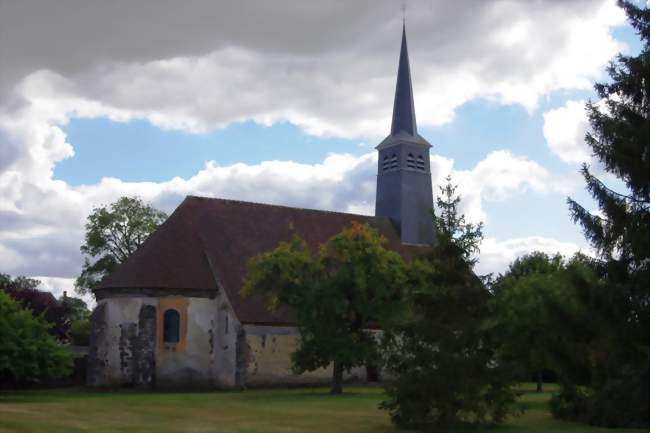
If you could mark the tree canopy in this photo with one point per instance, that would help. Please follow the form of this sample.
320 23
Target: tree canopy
620 231
442 360
19 282
113 233
527 298
352 284
452 226
28 353
41 303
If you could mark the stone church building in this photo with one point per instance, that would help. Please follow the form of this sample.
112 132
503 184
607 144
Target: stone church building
172 314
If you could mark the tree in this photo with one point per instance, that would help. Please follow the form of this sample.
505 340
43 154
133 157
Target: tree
28 353
620 231
443 358
452 226
79 333
79 318
113 233
19 283
78 308
41 304
523 296
337 295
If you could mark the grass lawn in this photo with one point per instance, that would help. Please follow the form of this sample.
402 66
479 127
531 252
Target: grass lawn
272 411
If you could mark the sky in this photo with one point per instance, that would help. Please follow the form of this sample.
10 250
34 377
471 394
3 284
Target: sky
283 102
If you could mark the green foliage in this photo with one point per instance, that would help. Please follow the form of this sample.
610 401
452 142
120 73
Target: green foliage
604 381
619 403
41 304
19 283
531 298
113 233
452 226
351 284
443 360
78 308
28 353
620 232
79 332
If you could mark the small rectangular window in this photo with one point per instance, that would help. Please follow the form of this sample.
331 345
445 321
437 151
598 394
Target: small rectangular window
226 326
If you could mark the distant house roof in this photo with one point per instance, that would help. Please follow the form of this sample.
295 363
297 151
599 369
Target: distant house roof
209 240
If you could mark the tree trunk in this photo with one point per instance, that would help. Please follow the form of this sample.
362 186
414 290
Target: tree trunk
337 378
540 380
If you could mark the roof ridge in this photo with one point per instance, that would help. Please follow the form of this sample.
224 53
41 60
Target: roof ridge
279 206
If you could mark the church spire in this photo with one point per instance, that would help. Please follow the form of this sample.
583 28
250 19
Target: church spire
404 193
403 108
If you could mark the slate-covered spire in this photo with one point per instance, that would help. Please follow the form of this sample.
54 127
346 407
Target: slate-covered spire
404 192
403 108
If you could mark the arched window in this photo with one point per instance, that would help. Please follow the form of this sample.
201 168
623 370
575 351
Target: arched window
171 326
420 163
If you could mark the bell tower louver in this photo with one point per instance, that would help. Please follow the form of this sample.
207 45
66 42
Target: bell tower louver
404 192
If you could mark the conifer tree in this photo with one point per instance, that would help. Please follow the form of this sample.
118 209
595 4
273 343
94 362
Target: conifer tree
442 364
451 224
620 231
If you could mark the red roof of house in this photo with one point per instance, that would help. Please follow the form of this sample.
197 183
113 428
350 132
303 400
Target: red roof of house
207 240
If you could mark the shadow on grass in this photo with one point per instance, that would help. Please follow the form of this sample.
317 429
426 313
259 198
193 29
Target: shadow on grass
277 394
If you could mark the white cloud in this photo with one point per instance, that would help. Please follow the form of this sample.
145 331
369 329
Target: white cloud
47 231
329 84
496 255
199 68
564 131
500 176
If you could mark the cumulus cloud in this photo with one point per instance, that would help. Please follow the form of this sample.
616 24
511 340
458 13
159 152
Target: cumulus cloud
496 254
207 64
564 131
48 220
499 176
204 64
46 240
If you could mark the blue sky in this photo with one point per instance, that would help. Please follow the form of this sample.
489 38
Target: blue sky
289 112
139 151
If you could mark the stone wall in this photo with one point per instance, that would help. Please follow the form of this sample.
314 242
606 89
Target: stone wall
266 359
126 344
214 350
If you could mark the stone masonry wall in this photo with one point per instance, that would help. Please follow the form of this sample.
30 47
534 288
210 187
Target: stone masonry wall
126 344
267 359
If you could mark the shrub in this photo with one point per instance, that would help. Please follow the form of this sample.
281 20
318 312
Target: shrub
79 333
28 353
42 304
621 403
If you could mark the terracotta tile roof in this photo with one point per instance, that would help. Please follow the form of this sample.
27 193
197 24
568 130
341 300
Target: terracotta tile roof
207 240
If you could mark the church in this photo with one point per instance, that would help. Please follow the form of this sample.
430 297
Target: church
172 314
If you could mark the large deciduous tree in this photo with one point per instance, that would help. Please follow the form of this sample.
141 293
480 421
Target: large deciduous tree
443 359
620 232
18 283
113 233
337 295
526 297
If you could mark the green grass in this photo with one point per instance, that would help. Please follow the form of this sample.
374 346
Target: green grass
257 411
